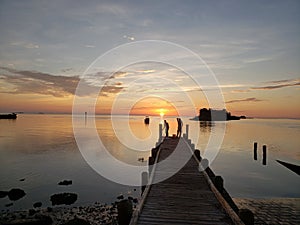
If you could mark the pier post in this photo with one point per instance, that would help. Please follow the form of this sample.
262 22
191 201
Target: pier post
246 216
197 154
151 161
255 150
160 133
264 155
204 163
154 152
219 183
124 211
187 131
144 181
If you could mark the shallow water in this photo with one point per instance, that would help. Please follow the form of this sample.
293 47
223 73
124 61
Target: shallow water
42 150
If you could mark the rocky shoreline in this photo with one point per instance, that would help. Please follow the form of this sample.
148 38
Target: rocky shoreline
94 214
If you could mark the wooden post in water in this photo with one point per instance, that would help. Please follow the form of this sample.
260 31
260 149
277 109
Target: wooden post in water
255 150
264 155
144 181
187 131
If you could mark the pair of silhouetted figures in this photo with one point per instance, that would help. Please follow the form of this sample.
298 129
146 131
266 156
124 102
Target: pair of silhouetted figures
179 127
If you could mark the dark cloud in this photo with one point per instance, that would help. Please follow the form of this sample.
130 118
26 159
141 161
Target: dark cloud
276 84
25 82
244 100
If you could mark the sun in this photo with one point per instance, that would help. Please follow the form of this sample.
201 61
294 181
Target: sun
162 112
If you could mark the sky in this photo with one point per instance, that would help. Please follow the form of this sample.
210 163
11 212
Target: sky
252 49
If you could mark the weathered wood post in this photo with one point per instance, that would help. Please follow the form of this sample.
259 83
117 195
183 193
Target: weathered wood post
255 150
246 216
204 163
144 181
264 155
219 183
154 152
124 211
160 132
197 154
187 131
150 164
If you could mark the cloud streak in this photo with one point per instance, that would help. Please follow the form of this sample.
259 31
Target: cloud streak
244 100
279 84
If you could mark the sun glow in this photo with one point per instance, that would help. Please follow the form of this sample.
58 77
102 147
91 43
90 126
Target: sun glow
162 112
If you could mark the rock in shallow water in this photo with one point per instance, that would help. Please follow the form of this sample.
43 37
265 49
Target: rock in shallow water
3 194
65 182
77 221
15 194
37 204
63 198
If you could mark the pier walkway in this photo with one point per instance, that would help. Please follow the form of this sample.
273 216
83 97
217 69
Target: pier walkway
187 197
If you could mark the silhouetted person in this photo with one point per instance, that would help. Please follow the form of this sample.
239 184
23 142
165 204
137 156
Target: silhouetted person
167 128
179 127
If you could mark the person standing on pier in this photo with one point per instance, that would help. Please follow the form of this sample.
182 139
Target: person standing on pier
179 127
167 128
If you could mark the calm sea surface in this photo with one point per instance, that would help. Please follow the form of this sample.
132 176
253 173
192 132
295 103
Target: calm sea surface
42 150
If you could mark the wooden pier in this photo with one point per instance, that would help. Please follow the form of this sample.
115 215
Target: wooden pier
187 197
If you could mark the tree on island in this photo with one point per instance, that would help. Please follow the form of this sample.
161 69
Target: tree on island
217 115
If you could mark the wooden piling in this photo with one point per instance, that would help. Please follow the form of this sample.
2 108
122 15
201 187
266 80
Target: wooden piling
187 131
264 155
204 163
219 183
246 216
197 154
160 133
144 181
154 152
151 161
125 211
255 150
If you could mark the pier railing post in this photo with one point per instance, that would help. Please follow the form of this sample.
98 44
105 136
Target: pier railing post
160 133
144 181
197 154
187 131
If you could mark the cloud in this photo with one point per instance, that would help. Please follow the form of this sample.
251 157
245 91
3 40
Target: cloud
90 46
244 100
28 82
240 91
279 84
25 45
146 71
257 60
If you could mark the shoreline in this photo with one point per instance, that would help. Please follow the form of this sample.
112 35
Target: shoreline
93 214
266 211
272 210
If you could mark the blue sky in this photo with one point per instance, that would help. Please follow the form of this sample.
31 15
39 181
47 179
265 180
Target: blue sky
248 44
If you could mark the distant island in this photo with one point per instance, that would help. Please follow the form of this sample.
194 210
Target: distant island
8 116
216 115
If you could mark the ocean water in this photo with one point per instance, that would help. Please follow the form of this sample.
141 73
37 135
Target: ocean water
42 150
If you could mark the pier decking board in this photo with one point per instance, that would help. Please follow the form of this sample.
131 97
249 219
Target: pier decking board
184 198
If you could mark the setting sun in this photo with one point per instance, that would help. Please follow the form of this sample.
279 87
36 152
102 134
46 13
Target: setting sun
153 106
162 112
